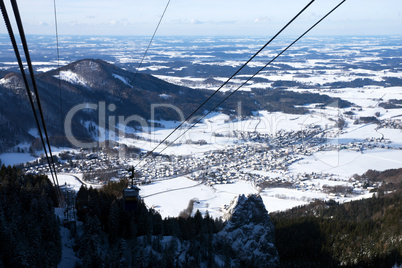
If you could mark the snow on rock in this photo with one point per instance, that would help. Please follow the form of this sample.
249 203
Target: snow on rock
250 232
13 82
165 96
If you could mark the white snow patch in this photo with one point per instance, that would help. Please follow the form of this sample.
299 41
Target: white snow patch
165 96
16 158
70 181
68 259
72 78
123 79
33 132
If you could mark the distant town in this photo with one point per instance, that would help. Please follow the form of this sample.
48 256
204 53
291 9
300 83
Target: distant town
262 159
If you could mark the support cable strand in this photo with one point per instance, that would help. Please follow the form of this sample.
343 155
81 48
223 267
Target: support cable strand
58 67
29 62
227 81
244 83
150 42
17 54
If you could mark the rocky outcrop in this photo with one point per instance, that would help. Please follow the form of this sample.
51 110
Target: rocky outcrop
250 232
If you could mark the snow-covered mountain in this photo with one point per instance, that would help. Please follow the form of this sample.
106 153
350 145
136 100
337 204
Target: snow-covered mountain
124 94
86 81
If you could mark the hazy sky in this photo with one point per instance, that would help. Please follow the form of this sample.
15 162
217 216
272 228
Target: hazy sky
208 17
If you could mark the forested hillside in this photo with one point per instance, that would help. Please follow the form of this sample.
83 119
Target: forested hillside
29 229
116 237
363 233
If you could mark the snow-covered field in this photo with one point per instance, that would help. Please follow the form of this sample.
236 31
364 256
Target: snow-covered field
170 197
15 158
341 163
71 181
346 163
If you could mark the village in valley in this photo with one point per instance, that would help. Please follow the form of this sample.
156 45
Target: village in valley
260 158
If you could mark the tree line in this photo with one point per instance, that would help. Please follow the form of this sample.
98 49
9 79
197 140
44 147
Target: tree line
117 237
363 233
29 228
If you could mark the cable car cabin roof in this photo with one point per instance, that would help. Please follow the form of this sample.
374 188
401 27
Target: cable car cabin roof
131 192
134 187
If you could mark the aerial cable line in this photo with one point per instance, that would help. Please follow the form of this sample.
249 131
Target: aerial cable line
30 68
32 75
150 42
227 81
14 43
244 83
17 54
58 66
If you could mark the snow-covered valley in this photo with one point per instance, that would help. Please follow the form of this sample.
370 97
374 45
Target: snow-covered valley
290 159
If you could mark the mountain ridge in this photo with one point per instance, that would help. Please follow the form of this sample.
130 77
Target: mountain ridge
88 81
94 81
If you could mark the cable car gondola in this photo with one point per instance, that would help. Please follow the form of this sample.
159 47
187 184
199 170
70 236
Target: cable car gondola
131 195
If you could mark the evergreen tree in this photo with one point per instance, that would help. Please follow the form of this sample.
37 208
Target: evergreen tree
114 222
29 229
90 244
